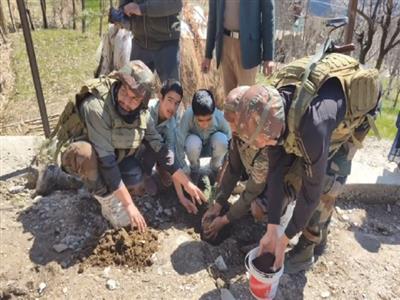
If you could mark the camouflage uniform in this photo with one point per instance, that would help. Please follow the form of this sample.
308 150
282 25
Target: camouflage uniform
252 162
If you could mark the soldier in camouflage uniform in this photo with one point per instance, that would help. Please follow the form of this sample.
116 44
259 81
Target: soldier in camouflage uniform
313 127
242 159
99 134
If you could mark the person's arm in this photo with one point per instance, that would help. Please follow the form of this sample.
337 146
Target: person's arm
254 186
268 29
211 28
181 135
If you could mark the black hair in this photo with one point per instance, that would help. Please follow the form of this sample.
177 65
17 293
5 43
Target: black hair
203 103
171 85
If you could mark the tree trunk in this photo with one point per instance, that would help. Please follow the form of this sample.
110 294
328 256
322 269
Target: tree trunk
73 15
83 16
101 17
3 23
28 12
43 7
11 16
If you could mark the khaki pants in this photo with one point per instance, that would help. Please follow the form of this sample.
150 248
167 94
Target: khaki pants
232 70
80 159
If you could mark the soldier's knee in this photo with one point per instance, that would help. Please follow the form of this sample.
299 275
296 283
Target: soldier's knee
257 210
80 158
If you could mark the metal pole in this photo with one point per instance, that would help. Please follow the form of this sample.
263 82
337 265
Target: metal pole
352 11
34 68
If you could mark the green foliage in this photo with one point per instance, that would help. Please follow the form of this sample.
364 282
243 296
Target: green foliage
65 59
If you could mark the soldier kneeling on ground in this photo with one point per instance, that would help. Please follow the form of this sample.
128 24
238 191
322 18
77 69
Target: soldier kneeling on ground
313 127
98 136
242 160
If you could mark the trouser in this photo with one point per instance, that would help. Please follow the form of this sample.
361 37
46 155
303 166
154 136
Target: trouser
147 159
339 167
164 60
216 147
80 159
232 69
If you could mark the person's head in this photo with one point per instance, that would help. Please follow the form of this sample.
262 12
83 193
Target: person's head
171 94
136 85
231 106
261 119
203 106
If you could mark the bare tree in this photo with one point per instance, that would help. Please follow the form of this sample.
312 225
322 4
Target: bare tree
378 21
83 16
390 30
11 16
43 7
3 23
73 15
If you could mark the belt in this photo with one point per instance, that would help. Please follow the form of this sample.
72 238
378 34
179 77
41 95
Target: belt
232 34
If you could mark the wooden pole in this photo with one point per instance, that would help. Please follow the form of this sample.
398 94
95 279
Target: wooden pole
73 15
83 16
34 68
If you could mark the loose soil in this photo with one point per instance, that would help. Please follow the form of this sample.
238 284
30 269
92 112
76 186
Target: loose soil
123 247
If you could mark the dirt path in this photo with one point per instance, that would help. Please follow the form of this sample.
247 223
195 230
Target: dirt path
45 242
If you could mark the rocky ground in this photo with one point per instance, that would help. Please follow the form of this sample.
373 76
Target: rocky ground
60 247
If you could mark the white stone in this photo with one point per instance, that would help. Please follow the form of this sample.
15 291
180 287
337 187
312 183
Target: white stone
106 272
220 263
111 284
325 294
16 189
345 218
60 247
65 290
226 295
41 288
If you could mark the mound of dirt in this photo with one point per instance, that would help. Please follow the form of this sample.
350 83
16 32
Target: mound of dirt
126 248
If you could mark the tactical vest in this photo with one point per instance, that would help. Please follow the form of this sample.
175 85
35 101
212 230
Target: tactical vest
360 86
125 137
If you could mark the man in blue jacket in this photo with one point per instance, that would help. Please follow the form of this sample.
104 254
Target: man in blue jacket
242 33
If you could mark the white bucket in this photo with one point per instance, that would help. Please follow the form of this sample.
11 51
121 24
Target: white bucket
263 286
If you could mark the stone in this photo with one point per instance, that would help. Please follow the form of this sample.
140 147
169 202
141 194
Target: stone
325 294
226 295
168 212
65 290
41 287
111 284
220 264
60 247
148 205
345 218
106 272
16 189
219 283
389 209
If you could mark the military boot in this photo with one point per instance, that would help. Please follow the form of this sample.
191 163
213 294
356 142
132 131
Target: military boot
301 257
52 178
321 247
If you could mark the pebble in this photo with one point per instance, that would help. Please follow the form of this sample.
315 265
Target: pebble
219 283
325 294
65 290
345 218
111 284
148 205
41 287
60 247
220 264
168 212
16 189
226 295
389 209
106 272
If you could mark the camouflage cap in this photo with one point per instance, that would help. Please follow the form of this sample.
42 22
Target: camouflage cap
233 98
261 110
138 77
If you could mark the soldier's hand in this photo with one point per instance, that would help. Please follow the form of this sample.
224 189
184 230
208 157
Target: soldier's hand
280 251
215 226
188 205
269 240
132 9
205 65
195 193
211 212
136 217
268 67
